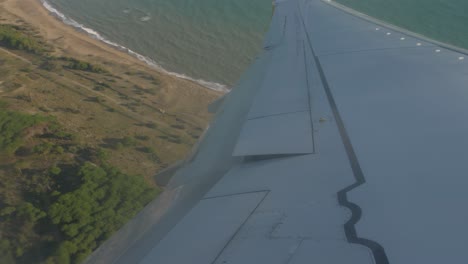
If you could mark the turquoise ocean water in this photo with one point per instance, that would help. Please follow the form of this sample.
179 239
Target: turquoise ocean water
215 40
442 20
211 40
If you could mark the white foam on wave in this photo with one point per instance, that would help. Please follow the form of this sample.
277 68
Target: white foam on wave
147 60
145 18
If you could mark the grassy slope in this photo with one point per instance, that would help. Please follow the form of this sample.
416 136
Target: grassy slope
65 125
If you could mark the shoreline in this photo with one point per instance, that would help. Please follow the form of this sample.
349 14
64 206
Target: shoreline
80 42
150 62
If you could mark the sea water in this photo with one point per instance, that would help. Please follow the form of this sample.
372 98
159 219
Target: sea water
442 20
213 41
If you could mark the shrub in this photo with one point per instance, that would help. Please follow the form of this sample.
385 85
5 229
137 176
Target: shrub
12 125
48 65
7 211
43 148
75 64
55 170
129 141
13 38
118 146
142 137
59 150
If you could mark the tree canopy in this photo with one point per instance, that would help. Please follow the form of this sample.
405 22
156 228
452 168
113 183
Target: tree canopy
105 200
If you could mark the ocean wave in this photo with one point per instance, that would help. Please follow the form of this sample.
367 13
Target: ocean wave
68 21
145 18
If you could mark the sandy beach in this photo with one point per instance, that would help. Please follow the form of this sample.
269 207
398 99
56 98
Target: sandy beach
71 42
68 39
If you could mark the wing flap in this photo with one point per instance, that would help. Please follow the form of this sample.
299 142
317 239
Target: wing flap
279 134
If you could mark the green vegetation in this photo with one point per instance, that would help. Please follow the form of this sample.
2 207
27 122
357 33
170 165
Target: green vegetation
149 150
12 129
129 141
142 137
49 65
104 202
20 38
75 64
65 209
66 184
12 37
3 105
151 125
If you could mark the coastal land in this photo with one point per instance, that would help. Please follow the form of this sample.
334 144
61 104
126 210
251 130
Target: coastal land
84 128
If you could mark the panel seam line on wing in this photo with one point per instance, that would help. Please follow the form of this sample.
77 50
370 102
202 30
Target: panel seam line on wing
278 114
234 194
309 98
240 227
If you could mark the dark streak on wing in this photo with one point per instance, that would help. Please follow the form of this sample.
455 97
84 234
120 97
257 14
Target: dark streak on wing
377 250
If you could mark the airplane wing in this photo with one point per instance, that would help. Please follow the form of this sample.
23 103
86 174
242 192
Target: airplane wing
344 142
